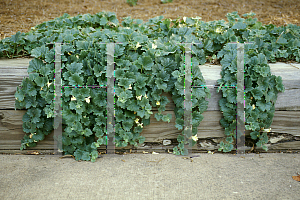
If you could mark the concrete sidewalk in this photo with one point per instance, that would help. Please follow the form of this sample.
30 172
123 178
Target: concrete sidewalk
151 176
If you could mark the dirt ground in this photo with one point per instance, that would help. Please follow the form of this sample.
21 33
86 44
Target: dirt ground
21 15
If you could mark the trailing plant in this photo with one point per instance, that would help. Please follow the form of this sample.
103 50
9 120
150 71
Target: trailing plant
261 89
143 71
149 61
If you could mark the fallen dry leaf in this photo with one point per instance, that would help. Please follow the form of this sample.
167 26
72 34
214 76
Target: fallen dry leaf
252 148
296 178
32 153
190 158
156 161
67 156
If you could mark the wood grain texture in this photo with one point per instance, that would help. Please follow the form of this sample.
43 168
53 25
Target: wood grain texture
286 119
13 71
288 145
11 131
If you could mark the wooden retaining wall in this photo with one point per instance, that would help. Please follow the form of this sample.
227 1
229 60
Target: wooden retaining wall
285 133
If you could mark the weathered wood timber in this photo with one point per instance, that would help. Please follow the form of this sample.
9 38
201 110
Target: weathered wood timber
285 126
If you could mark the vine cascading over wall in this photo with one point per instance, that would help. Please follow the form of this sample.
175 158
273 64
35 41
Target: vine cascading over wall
149 61
84 109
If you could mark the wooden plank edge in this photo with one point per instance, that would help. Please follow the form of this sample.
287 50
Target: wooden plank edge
288 144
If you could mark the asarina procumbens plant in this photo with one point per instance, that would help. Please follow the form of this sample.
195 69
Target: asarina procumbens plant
149 60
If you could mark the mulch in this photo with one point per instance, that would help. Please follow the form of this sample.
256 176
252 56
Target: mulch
21 15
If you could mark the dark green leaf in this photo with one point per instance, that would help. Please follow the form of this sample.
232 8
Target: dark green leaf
16 38
239 25
179 124
75 79
282 40
40 52
257 94
75 68
35 65
82 155
146 62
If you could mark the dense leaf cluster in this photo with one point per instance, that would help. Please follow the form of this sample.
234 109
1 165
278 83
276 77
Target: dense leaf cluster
260 94
149 61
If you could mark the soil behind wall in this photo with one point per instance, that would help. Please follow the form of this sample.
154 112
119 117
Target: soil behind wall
21 15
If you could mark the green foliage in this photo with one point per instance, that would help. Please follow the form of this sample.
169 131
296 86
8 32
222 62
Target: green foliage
132 2
166 1
149 61
260 101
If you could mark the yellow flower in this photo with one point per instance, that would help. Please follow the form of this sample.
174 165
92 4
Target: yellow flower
184 19
136 120
197 17
88 99
141 125
130 87
154 46
267 130
138 45
210 152
41 88
73 98
195 138
149 112
253 107
139 97
218 30
158 103
146 96
49 84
